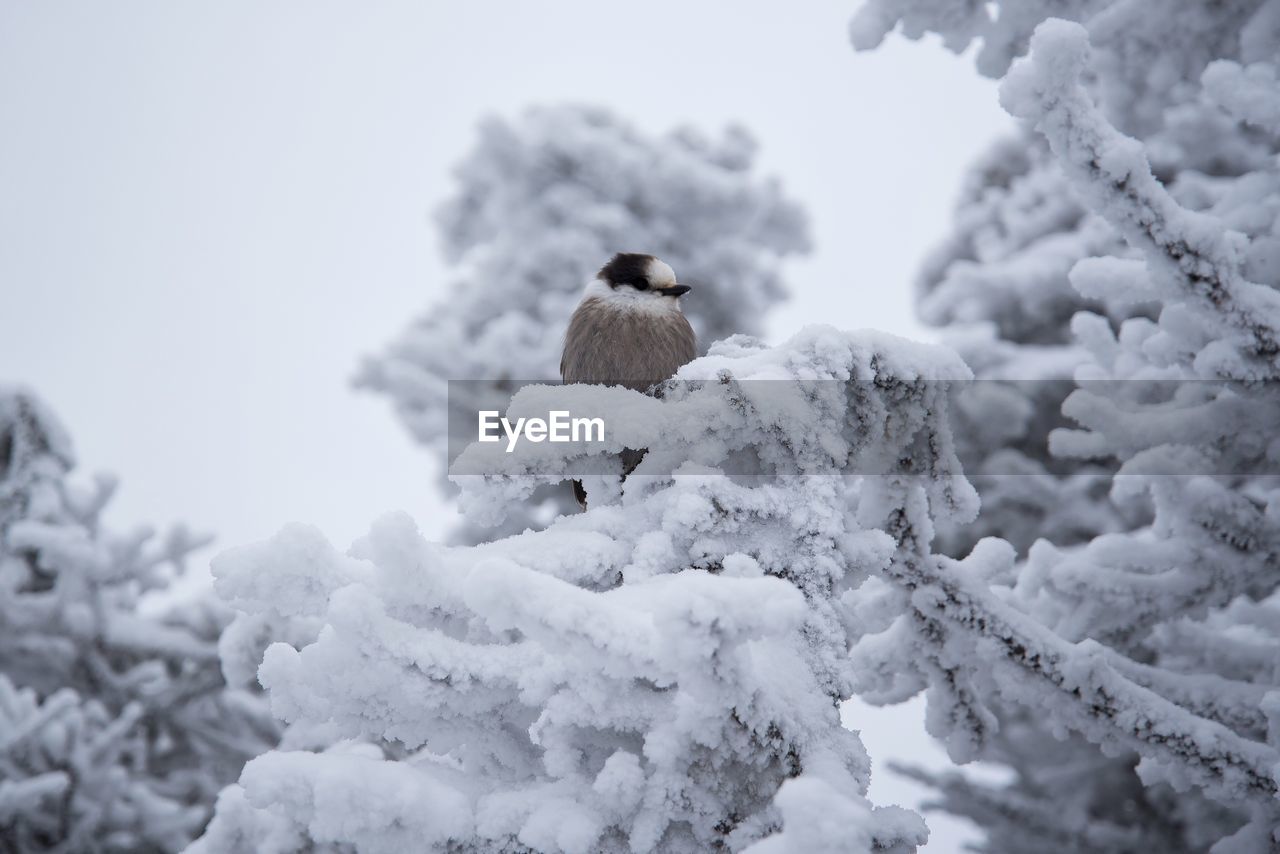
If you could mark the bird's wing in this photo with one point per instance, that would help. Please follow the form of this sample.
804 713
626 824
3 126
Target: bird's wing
689 342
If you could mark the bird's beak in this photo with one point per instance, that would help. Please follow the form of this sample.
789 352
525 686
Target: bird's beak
675 290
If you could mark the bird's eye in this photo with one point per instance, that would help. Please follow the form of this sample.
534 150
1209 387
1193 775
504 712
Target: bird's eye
640 284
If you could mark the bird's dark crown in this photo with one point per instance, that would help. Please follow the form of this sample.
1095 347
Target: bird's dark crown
627 268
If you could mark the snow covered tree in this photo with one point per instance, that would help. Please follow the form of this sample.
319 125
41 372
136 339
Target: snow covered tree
542 202
660 673
999 290
116 727
1118 264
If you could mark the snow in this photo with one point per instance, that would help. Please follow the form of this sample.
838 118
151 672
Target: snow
1119 260
1247 92
116 728
662 672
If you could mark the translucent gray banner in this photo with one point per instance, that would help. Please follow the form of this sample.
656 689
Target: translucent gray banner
768 427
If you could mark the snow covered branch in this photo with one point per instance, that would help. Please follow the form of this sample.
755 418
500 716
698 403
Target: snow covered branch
116 727
1110 171
661 672
1089 695
1117 270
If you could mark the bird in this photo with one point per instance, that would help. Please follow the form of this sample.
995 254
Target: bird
628 330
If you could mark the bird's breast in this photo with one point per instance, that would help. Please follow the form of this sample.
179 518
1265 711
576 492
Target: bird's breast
616 346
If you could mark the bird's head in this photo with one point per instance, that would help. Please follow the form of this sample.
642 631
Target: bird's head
633 275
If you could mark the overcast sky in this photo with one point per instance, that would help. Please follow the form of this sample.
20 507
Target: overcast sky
209 211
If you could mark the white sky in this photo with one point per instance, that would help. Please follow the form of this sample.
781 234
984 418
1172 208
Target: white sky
209 211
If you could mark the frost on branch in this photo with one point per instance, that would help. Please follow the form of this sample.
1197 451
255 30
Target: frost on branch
542 202
70 783
1214 537
660 673
116 728
1147 47
1121 256
1189 255
1250 93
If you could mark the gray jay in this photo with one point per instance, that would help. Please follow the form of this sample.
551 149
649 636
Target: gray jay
628 330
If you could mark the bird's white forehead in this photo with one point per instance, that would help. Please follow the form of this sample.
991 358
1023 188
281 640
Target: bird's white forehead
660 274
